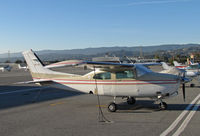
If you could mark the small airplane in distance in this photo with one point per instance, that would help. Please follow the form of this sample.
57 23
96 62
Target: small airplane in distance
111 79
191 70
177 71
5 67
192 63
178 65
23 67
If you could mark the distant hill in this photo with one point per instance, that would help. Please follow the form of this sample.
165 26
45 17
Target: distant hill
92 52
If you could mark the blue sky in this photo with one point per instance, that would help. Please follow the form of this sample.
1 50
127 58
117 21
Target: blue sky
72 24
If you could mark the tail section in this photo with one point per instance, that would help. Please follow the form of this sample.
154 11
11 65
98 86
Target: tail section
176 63
165 66
37 68
35 65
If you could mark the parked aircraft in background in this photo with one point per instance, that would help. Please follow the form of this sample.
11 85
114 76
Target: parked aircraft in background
110 79
5 67
178 65
174 70
191 70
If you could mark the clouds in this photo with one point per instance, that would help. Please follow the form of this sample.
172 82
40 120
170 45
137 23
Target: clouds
152 2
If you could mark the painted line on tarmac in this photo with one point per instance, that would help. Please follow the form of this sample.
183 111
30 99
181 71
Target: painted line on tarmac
57 103
180 117
24 90
187 120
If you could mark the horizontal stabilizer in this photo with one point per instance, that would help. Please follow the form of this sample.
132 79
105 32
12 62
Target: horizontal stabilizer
36 81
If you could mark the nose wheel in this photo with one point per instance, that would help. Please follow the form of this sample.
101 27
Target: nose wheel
163 106
112 107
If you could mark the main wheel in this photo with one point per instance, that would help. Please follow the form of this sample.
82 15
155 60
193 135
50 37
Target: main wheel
131 100
112 107
163 106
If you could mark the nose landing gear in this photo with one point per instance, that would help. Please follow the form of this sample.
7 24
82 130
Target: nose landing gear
131 100
162 106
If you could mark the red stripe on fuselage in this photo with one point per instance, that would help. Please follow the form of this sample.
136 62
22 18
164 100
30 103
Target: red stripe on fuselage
181 66
102 80
114 82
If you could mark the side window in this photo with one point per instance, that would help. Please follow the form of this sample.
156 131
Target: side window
125 74
105 75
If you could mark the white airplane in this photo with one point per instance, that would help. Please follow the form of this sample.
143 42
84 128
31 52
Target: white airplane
110 79
191 70
174 70
5 67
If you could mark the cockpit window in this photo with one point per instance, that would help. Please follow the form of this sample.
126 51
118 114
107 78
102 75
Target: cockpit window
105 75
141 70
125 74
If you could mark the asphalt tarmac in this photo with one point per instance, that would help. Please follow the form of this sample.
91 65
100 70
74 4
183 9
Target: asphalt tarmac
64 113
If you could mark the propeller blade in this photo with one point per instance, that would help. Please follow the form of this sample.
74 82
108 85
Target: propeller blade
183 88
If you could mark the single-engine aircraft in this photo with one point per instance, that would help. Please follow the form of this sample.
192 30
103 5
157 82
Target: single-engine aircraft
192 70
110 79
177 71
5 67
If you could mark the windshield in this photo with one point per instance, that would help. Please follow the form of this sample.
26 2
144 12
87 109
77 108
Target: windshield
141 70
125 74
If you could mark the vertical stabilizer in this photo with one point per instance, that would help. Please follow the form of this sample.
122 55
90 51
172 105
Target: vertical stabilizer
165 66
176 63
36 66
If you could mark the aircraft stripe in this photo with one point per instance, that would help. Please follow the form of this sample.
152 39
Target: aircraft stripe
181 66
105 80
114 82
67 83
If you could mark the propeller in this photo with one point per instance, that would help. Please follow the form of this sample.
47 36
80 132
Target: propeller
183 86
183 89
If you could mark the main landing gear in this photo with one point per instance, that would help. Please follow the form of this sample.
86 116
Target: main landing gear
112 107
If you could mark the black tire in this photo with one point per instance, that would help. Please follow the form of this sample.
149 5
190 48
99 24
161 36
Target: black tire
131 101
163 106
192 85
112 107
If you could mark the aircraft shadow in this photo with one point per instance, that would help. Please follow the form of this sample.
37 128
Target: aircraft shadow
148 106
30 94
192 87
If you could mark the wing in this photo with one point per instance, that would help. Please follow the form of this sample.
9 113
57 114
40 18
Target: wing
35 81
106 66
65 63
90 64
149 64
